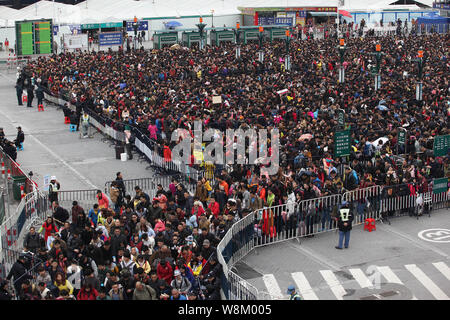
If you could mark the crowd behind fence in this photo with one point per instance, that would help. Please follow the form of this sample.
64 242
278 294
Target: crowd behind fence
143 143
310 217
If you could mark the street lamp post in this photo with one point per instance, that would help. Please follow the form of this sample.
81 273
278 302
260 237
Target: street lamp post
201 27
261 38
212 18
341 48
237 32
420 63
378 55
288 57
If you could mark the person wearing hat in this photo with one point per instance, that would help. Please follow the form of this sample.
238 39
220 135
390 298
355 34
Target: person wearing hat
53 189
180 282
19 139
293 295
344 221
5 294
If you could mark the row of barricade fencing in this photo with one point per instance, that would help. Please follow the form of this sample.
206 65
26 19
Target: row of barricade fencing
2 205
32 209
143 143
149 185
308 217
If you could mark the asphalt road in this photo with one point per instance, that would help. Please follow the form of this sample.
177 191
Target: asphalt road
51 149
394 261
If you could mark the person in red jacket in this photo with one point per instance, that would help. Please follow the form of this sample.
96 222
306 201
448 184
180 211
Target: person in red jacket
49 226
103 201
197 209
87 292
215 208
164 271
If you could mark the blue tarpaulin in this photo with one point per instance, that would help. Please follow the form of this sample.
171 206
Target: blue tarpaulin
433 18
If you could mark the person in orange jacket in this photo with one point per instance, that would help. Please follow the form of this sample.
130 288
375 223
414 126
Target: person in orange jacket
103 201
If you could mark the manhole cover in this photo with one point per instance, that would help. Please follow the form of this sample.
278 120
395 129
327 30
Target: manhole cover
369 298
388 294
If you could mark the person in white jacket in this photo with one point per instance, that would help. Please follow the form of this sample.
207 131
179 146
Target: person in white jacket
74 276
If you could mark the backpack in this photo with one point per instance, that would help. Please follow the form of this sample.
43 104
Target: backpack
368 150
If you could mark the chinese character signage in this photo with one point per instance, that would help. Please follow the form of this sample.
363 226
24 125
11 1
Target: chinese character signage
441 144
110 39
342 143
440 185
401 137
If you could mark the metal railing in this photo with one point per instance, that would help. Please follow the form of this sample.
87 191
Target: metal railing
149 185
308 217
143 143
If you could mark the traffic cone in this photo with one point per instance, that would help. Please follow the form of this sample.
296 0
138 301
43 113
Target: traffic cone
9 174
40 107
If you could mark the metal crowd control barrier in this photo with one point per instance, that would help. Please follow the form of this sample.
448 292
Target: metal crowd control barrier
142 142
149 185
294 220
2 205
85 198
364 202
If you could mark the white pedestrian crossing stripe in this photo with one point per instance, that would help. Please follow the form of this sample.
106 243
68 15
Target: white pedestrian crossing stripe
361 278
427 282
333 283
391 277
272 286
442 267
364 280
303 286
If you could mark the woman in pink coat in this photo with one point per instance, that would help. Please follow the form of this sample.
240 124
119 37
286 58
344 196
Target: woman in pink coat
103 201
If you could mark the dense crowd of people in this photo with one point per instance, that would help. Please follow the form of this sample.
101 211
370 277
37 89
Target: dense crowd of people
164 248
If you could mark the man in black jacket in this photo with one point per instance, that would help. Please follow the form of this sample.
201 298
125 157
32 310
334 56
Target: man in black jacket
33 240
120 184
118 240
19 273
60 214
19 139
344 220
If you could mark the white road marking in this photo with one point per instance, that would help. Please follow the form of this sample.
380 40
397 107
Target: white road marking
427 282
442 267
361 278
272 286
391 276
333 283
304 287
54 154
414 241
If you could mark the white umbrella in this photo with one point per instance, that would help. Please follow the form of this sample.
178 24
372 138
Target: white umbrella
383 140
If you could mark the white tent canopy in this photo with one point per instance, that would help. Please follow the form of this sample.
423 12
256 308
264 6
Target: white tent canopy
94 11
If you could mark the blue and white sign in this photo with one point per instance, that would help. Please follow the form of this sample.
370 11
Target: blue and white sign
55 30
143 25
302 14
110 39
75 28
266 21
284 20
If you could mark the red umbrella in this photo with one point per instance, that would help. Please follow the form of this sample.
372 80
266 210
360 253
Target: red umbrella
345 13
